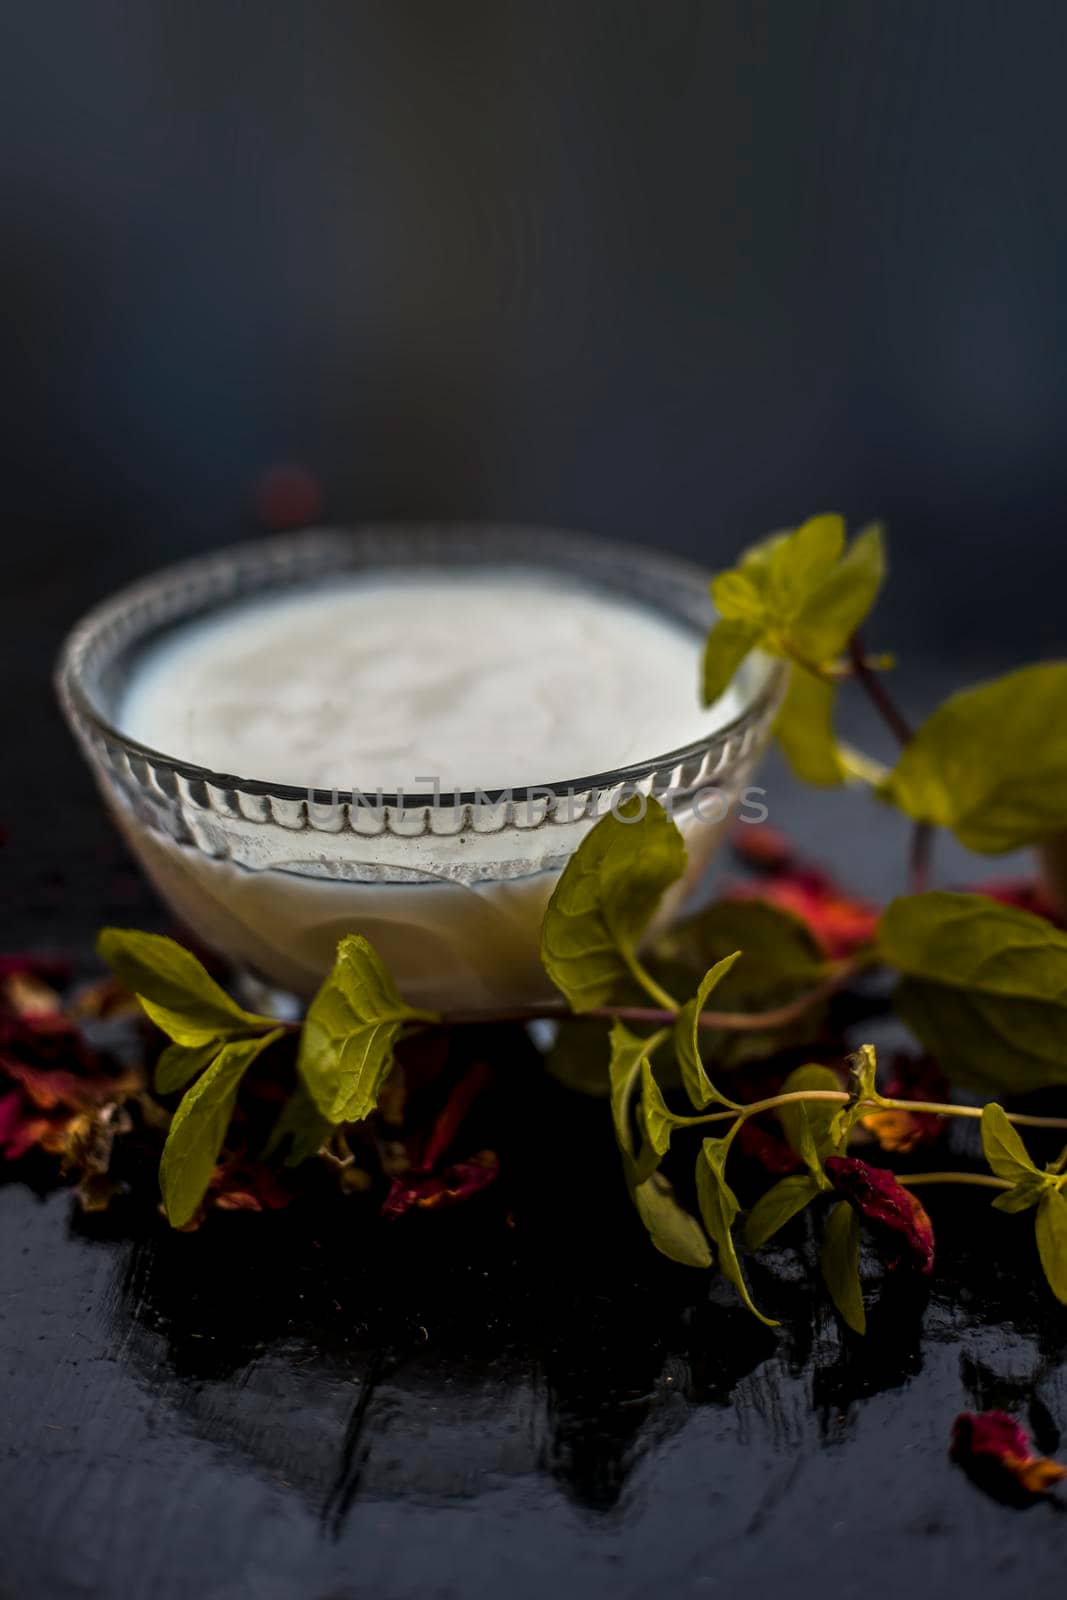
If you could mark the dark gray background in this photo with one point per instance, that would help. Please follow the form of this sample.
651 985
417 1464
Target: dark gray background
680 272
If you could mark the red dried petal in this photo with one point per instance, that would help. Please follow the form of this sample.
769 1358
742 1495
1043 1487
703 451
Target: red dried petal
993 1441
762 847
910 1077
18 1133
900 1132
26 996
247 1186
453 1115
839 923
894 1215
433 1191
773 1154
49 1088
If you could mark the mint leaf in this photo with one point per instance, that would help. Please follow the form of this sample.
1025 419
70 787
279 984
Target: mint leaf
180 1063
174 989
738 599
778 1206
985 988
811 1128
628 1051
797 595
301 1127
1025 1195
991 762
346 1045
656 1121
782 962
605 899
578 1056
199 1125
798 566
1003 1148
697 1084
675 1234
842 600
804 728
840 1264
728 643
1050 1226
719 1209
671 1229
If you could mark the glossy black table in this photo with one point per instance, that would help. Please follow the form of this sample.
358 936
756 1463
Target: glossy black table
516 1396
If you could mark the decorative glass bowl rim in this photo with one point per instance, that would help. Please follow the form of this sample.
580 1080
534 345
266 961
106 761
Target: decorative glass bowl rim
177 593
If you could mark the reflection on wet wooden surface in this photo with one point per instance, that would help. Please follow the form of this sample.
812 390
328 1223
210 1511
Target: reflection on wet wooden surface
522 1392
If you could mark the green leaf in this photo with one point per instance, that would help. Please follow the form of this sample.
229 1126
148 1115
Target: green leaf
737 598
301 1126
179 1064
840 1263
810 1128
985 988
991 762
797 567
697 1084
1004 1149
842 600
798 594
671 1229
656 1121
1050 1226
782 962
675 1234
1025 1195
804 728
728 643
719 1209
578 1056
174 989
778 1206
628 1051
346 1045
605 899
199 1125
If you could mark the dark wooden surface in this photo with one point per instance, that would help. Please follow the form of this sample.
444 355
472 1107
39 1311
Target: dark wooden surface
516 1396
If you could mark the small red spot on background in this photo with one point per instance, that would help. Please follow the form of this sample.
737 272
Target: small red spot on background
288 496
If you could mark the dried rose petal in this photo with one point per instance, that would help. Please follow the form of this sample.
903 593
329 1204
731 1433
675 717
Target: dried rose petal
773 1153
242 1186
19 1132
453 1114
910 1077
993 1442
106 999
840 923
28 997
762 847
894 1216
431 1191
59 1096
52 1087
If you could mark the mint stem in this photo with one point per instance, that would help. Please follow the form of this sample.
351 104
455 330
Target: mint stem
901 729
982 1179
655 1016
877 692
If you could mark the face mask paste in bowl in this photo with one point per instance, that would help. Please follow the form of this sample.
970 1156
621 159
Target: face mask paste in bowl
405 733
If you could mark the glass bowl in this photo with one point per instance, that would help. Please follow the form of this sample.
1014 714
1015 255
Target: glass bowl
450 889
